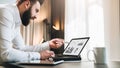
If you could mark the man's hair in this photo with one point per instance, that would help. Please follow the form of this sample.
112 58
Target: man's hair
32 1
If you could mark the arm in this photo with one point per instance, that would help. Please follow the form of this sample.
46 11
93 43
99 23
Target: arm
18 41
7 52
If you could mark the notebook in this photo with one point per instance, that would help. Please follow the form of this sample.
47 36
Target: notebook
73 49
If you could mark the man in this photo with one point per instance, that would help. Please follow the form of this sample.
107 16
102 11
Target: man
12 46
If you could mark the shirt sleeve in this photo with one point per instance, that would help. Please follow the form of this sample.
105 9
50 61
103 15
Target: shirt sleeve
33 50
7 52
19 43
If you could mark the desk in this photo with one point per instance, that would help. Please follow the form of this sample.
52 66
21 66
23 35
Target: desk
82 64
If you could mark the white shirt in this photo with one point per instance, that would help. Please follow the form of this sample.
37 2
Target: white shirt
12 46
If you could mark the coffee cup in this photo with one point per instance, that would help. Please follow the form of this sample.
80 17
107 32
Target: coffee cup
99 55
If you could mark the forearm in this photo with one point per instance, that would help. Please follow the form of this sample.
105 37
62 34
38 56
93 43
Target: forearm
17 55
36 48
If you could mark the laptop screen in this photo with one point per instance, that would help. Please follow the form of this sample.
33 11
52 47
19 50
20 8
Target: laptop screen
75 46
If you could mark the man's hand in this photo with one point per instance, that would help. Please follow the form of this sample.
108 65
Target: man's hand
46 54
56 43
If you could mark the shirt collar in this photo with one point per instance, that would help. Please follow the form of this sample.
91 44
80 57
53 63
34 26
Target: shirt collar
17 16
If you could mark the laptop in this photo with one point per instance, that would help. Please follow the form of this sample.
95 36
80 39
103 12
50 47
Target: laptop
73 50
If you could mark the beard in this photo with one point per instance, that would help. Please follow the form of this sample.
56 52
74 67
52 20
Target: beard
26 17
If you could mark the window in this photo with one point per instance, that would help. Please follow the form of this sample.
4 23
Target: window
85 18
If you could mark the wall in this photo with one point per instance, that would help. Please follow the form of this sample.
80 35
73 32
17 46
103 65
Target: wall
57 18
7 1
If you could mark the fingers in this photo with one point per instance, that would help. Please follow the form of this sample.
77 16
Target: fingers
59 40
50 53
59 44
47 54
56 43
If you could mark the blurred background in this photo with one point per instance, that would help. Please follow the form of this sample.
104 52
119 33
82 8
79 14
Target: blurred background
98 19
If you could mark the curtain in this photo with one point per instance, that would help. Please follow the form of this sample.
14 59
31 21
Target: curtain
112 28
98 19
85 18
33 33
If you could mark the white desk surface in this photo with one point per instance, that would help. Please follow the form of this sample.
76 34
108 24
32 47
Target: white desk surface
82 64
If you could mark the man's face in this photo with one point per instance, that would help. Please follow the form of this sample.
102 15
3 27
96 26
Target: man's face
31 13
35 10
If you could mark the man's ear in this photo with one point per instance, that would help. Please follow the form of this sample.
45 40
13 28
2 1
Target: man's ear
27 4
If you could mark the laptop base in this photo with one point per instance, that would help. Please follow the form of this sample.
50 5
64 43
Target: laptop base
67 58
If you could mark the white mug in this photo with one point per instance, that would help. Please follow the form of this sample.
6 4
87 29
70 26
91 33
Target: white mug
99 55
